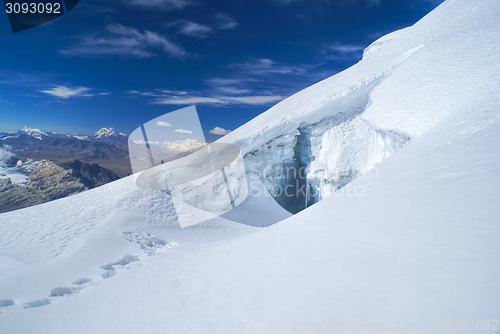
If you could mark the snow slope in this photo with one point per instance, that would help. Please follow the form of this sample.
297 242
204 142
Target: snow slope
407 82
415 242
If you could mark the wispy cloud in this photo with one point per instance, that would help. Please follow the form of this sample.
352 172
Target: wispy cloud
264 77
6 102
67 92
184 131
142 93
225 21
220 100
267 67
256 82
125 41
181 100
347 48
195 29
166 5
222 21
38 83
15 78
219 131
256 100
338 51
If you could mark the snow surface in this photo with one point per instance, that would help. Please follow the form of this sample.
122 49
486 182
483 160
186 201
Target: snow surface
415 242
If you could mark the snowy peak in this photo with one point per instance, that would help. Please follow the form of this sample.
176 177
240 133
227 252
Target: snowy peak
107 133
35 133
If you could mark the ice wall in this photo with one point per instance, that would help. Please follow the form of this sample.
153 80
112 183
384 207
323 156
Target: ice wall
320 156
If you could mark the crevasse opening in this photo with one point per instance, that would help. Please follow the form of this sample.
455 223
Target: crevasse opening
321 157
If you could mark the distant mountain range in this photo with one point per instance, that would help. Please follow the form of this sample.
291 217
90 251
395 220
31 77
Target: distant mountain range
104 134
105 147
46 165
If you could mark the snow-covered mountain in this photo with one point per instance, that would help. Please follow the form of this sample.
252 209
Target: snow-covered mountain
105 147
35 133
411 242
107 134
100 135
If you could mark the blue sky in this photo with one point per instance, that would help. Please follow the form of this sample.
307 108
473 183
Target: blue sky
121 63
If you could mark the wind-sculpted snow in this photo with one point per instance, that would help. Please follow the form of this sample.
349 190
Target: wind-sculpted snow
103 231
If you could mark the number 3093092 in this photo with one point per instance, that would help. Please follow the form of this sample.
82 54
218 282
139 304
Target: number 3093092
33 8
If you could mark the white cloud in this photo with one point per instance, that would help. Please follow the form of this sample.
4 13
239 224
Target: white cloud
179 145
162 123
66 92
5 154
183 145
195 29
183 131
219 131
125 41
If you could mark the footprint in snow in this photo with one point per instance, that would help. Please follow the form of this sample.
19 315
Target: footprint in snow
82 281
151 245
6 302
110 268
59 292
148 243
37 303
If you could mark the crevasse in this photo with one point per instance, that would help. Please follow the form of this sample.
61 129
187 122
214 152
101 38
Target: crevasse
321 156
